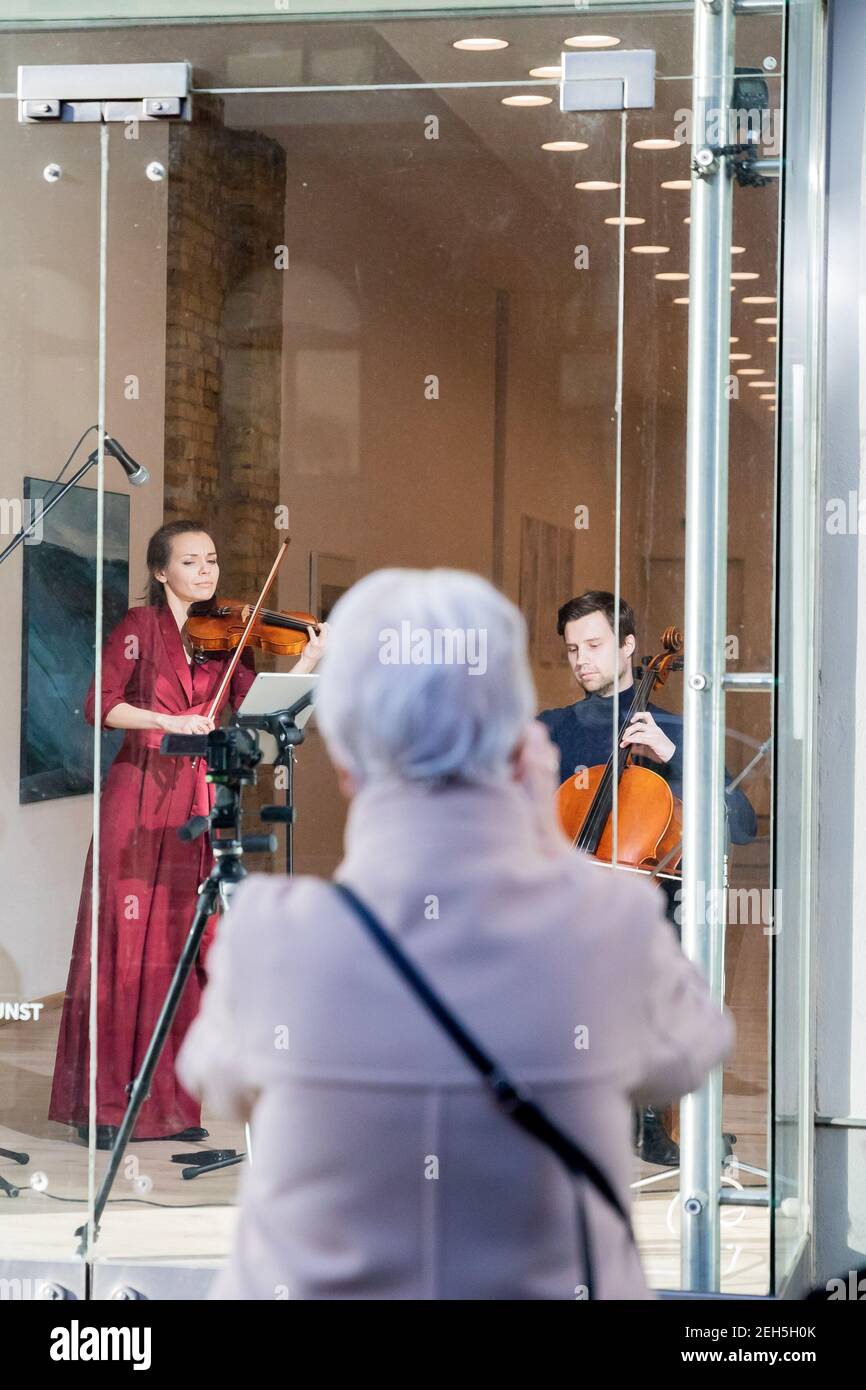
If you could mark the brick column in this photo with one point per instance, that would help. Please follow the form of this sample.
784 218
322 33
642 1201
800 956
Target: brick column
223 351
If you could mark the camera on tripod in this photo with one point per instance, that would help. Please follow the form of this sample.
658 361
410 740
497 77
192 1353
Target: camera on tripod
232 754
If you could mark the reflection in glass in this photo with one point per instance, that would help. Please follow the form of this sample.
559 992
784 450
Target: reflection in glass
390 319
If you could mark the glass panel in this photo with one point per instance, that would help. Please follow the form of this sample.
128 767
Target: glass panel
356 280
390 317
655 377
50 277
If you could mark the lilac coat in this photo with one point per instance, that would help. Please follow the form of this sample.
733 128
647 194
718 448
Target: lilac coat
381 1169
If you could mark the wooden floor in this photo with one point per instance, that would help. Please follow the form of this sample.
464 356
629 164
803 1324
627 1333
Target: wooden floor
156 1217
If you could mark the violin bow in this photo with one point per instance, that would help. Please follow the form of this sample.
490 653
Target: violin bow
230 669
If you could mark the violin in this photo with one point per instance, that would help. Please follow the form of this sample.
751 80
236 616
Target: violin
231 627
649 816
219 626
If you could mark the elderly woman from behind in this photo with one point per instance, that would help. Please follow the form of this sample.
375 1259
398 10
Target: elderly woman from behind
383 1170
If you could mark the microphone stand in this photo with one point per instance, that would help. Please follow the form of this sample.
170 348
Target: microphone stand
134 472
25 531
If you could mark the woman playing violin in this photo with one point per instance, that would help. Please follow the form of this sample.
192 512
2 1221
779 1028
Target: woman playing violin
153 683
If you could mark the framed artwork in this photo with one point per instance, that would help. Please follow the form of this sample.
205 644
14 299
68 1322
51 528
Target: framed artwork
58 631
546 579
330 576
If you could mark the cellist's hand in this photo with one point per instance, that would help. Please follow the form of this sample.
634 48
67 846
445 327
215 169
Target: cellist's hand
647 740
536 770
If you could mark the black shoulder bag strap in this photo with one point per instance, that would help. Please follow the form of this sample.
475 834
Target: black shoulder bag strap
512 1100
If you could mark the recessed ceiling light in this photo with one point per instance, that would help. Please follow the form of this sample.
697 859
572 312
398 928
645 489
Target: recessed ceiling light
688 221
677 183
770 396
650 250
759 299
733 340
528 99
750 371
745 275
592 41
672 275
740 356
772 340
551 71
767 385
737 250
681 301
656 143
625 221
480 45
564 146
595 185
766 320
772 409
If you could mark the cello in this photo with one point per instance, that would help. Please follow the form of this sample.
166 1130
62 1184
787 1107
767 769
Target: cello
649 817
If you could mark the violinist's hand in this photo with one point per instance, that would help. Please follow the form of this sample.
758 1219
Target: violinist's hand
647 740
536 770
313 651
185 723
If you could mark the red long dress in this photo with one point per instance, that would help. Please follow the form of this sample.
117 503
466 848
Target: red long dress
149 883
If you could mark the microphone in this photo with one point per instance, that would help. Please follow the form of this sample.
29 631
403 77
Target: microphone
135 472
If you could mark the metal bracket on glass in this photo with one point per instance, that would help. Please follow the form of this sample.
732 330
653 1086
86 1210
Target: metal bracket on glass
759 6
749 680
744 1197
104 92
608 81
741 160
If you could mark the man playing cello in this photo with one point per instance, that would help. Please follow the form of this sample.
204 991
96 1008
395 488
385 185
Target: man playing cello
583 734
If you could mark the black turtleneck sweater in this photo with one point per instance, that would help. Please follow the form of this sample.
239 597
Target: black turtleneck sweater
583 734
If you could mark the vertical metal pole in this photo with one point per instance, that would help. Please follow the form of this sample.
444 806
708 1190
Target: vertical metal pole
705 616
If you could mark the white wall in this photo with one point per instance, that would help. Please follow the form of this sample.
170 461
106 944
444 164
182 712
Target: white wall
49 284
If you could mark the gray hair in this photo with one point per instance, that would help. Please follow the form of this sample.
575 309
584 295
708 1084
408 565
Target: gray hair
425 678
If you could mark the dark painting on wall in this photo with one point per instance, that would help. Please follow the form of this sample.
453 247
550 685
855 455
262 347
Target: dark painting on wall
58 630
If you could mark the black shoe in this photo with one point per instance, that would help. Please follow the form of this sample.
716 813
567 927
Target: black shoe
105 1135
654 1144
187 1136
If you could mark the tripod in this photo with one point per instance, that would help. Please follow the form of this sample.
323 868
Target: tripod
232 757
282 727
